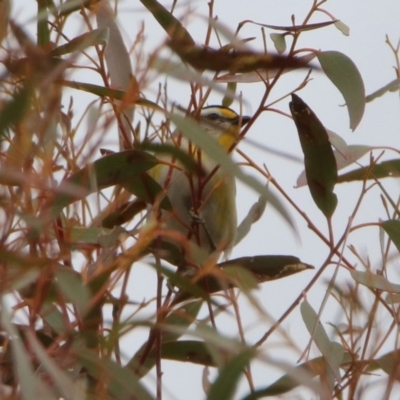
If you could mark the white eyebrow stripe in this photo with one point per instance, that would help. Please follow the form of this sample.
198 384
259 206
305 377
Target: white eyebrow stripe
210 110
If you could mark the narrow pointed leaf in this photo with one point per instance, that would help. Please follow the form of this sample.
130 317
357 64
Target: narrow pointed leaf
390 364
116 54
62 381
332 351
393 86
229 95
102 91
302 374
13 111
344 74
82 42
228 378
122 383
319 161
118 64
30 384
294 28
70 6
124 213
344 158
206 58
171 25
374 281
43 32
260 75
71 285
279 42
392 228
182 317
255 213
192 351
385 169
126 168
342 28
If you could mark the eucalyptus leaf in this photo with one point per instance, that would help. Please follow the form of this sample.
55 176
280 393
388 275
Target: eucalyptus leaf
374 281
392 228
344 74
319 161
385 169
82 42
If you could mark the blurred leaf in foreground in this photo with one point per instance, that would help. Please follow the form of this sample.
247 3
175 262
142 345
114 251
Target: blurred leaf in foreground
126 168
206 58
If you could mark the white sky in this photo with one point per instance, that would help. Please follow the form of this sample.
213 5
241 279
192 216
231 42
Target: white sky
369 22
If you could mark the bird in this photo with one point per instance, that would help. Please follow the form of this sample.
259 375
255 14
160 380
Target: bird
202 220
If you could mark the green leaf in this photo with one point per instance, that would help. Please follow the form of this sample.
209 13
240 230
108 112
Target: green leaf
342 28
177 153
385 169
229 96
344 157
319 161
374 281
171 25
14 110
207 58
260 75
393 86
71 285
102 91
392 228
118 62
192 351
126 168
54 318
70 6
182 318
344 74
30 384
61 380
228 378
122 383
124 213
295 28
300 375
332 351
255 213
390 364
279 41
82 42
43 32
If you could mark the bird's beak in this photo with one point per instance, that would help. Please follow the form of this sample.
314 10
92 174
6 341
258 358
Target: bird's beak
243 121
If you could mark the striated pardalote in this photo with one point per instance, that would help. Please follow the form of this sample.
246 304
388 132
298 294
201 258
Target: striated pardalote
203 214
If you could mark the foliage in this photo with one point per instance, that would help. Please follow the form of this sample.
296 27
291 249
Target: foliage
75 224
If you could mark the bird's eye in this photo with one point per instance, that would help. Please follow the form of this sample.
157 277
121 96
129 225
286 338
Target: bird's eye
213 116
